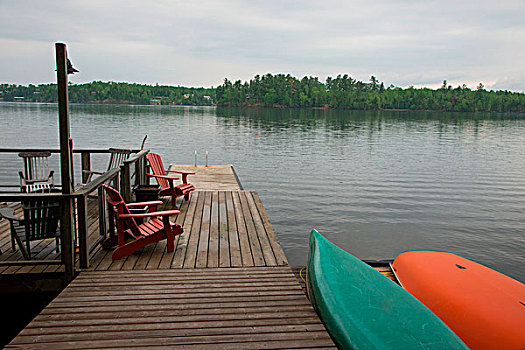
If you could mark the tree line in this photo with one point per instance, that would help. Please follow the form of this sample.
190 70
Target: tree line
344 92
111 92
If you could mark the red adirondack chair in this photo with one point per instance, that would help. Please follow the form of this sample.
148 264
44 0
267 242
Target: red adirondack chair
167 187
130 235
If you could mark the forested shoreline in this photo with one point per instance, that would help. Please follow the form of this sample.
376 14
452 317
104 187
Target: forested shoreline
111 92
344 92
282 91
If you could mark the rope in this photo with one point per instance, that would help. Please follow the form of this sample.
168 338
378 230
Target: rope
301 274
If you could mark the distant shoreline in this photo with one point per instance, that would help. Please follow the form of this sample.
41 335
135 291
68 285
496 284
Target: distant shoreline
265 107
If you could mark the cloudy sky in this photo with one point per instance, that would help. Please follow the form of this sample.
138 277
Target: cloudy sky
199 43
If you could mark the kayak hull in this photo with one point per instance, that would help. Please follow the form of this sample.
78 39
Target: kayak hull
362 309
485 308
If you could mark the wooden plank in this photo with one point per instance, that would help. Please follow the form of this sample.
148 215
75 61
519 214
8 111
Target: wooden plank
193 240
213 243
207 304
255 245
182 243
266 247
211 178
194 300
272 236
202 250
244 242
73 334
224 245
282 337
233 233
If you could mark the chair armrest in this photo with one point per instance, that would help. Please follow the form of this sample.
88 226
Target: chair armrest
181 172
9 214
184 174
163 176
143 204
153 214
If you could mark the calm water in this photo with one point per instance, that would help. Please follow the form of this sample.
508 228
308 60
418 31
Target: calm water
376 183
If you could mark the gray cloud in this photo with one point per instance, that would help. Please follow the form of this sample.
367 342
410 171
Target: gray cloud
403 42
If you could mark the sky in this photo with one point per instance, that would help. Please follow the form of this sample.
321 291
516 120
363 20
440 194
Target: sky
200 43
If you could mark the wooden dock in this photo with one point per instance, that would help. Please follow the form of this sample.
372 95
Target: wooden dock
228 308
227 285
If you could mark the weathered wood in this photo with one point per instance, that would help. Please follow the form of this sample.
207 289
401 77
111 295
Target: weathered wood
233 233
244 243
125 182
224 244
66 222
253 238
83 232
211 178
203 308
213 241
272 236
191 249
184 239
203 247
85 166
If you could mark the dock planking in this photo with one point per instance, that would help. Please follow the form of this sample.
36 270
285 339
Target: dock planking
216 308
227 284
221 229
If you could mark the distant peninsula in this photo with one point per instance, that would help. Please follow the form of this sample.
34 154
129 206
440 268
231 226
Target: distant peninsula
282 91
98 92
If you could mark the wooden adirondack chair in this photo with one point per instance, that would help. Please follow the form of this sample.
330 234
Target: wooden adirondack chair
36 174
130 235
167 187
40 221
117 157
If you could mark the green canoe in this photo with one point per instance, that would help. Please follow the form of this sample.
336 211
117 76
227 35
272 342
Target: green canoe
362 309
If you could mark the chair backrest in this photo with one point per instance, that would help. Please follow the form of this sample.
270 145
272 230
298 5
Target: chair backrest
118 156
155 162
41 218
119 206
36 165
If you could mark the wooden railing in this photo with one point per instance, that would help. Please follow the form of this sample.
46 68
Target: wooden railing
66 232
131 172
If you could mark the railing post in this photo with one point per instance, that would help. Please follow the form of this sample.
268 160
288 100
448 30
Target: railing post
125 182
101 212
66 235
86 165
83 231
66 223
138 172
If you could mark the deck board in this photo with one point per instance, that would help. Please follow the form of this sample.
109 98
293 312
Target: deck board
221 229
213 177
200 308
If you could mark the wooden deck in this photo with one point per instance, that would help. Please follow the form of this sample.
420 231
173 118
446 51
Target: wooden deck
228 308
227 285
213 177
221 229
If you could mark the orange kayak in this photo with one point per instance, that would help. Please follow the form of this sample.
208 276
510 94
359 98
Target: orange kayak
485 308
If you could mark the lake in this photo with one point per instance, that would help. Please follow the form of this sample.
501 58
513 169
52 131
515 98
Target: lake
376 183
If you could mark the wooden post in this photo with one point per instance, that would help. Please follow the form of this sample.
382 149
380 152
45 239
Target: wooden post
66 224
101 212
83 232
125 182
86 165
